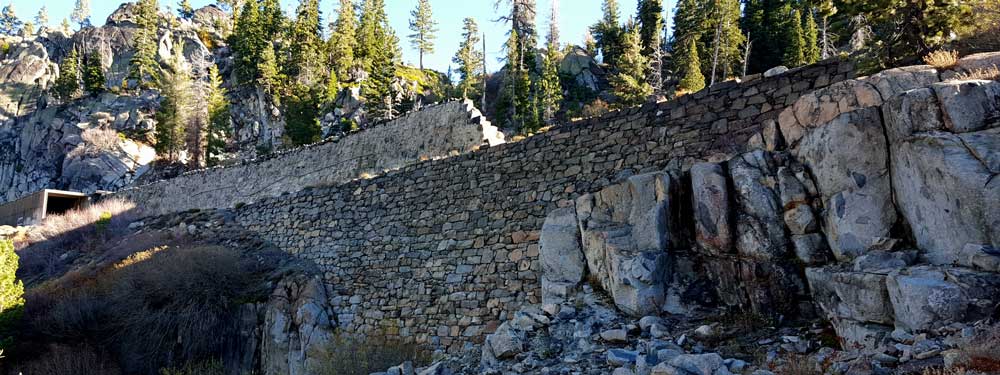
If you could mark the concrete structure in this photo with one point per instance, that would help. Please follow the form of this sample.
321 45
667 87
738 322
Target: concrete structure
33 208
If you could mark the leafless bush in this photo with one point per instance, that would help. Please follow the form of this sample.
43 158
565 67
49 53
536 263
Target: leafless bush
62 360
596 108
796 364
95 142
373 353
942 59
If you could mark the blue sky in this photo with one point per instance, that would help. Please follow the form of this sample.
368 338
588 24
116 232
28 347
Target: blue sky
575 17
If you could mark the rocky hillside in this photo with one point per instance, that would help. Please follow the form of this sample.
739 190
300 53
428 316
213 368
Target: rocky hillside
96 142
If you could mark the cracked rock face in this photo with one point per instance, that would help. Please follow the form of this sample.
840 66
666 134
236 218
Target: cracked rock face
625 240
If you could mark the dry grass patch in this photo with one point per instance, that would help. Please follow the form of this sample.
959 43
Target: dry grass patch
942 59
988 74
796 364
944 371
984 351
106 215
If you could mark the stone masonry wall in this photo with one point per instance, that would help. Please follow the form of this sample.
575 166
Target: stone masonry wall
441 251
437 131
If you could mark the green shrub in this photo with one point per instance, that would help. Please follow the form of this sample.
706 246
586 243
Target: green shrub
11 293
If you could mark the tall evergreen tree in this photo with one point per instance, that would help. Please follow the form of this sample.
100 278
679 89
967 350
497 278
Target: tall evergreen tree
248 41
692 80
825 10
64 26
219 119
302 115
629 83
519 95
343 41
176 109
377 51
270 76
143 66
811 50
651 22
607 32
42 18
305 62
184 9
93 74
423 26
67 86
722 39
9 23
469 59
550 89
81 13
272 19
688 28
795 42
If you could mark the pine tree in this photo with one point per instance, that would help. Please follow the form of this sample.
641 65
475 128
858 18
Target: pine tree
378 49
81 13
184 10
343 41
248 41
272 19
550 89
11 289
219 119
693 80
469 59
608 32
29 28
143 67
233 6
42 18
589 43
688 28
795 42
172 118
302 115
811 52
629 83
270 73
423 26
9 23
64 26
305 60
651 20
93 74
721 39
67 86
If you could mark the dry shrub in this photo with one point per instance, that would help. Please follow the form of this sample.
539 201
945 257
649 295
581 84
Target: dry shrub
107 214
796 364
596 108
187 296
373 353
95 142
211 367
63 360
942 59
989 74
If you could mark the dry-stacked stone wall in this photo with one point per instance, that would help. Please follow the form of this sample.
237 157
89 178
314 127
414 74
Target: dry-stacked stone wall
437 131
441 251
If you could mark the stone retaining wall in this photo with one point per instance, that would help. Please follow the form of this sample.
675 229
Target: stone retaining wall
438 131
443 250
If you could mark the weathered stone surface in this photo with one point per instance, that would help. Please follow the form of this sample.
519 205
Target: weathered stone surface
825 105
811 248
560 254
969 106
849 158
924 298
892 82
801 220
710 202
504 343
625 239
857 296
761 234
884 261
298 330
946 190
